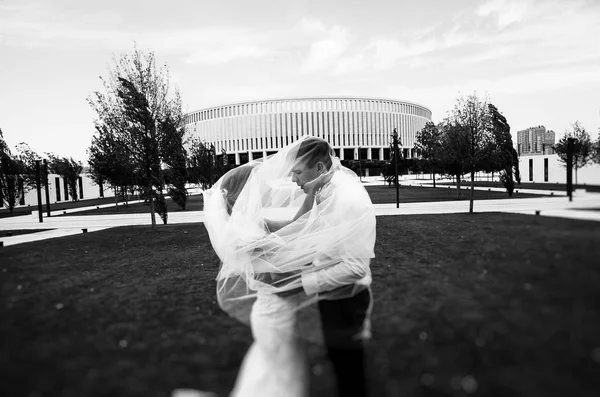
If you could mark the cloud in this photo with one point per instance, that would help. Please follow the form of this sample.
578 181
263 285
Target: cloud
247 92
312 25
441 96
506 12
38 25
389 51
354 63
220 55
325 52
34 25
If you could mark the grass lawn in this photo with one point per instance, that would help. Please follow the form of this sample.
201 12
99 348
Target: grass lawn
379 194
495 304
415 194
194 203
17 232
66 205
558 187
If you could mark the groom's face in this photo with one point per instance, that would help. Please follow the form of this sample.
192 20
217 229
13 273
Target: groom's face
302 173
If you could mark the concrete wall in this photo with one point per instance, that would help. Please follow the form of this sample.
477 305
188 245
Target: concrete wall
557 173
90 190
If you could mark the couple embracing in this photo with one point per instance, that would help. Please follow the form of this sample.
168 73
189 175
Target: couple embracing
295 233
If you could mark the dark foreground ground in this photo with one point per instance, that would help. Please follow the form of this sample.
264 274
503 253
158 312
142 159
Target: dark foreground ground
465 305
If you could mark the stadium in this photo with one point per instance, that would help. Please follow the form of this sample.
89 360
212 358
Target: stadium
356 127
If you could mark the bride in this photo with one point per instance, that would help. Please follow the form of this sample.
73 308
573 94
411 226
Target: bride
275 364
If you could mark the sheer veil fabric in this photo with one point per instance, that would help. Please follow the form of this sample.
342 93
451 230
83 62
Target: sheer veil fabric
340 227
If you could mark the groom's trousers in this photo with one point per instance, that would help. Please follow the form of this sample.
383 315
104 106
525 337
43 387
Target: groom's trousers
343 322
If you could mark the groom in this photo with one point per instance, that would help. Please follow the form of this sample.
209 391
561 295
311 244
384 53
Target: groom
345 314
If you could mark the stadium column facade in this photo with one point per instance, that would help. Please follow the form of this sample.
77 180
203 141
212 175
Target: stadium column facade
250 130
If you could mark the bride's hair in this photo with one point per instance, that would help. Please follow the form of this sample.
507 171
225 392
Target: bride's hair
233 182
314 149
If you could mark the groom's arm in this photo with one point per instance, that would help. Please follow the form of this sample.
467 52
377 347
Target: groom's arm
311 189
342 274
306 206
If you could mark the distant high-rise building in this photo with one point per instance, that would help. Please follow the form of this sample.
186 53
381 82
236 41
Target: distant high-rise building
535 140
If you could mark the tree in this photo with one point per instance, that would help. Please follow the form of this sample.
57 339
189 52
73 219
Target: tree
137 100
175 158
582 149
144 143
429 144
26 158
9 176
455 144
596 150
202 163
500 154
472 115
110 163
69 169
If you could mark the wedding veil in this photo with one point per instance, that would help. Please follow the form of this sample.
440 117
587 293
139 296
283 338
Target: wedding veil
340 227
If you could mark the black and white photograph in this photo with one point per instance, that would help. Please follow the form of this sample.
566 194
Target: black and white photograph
333 198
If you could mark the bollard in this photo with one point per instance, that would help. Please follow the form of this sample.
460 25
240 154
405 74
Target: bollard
64 212
537 212
84 230
551 193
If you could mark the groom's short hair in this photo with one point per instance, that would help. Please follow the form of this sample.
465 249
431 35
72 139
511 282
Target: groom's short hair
313 150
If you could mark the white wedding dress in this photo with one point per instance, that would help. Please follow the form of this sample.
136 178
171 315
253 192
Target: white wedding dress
276 363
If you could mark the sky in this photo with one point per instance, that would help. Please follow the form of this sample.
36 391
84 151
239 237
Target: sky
538 61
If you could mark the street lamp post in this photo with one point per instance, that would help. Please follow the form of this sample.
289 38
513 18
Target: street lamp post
38 183
395 135
46 187
359 165
570 147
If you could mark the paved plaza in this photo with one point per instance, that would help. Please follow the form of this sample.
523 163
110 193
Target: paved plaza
585 206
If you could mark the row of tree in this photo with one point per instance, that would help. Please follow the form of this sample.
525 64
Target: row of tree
18 172
474 137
